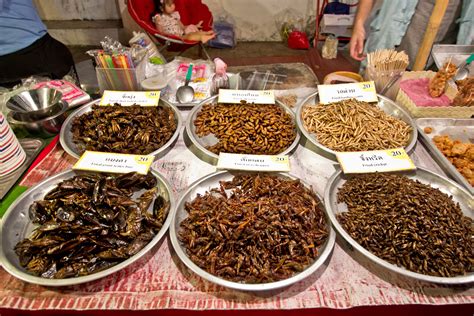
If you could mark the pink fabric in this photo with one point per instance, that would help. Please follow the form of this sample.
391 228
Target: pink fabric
417 90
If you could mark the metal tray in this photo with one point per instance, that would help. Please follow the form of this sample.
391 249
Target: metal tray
434 180
32 147
212 181
200 143
461 129
65 136
16 225
385 104
454 53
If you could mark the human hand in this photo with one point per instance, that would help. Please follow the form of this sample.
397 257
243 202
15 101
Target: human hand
356 45
191 28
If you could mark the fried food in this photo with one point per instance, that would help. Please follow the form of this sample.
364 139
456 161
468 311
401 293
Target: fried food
460 154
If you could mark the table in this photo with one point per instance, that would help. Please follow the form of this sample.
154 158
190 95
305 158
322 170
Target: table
160 281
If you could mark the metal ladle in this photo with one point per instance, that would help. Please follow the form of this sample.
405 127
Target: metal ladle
185 94
463 69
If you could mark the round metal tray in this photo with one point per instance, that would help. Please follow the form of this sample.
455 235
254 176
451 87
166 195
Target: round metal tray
200 143
385 104
16 226
449 187
208 182
65 136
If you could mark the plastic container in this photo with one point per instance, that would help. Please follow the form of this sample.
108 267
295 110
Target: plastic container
121 79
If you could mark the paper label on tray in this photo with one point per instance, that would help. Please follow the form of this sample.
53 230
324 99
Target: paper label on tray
362 91
375 161
253 162
113 162
125 98
251 96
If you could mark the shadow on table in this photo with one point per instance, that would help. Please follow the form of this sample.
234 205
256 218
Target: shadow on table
417 286
237 296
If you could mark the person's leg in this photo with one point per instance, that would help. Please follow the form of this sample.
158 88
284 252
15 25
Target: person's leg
200 36
22 64
58 58
45 57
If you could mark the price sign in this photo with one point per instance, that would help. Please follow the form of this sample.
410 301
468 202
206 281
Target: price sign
251 96
124 98
375 161
114 163
362 91
253 162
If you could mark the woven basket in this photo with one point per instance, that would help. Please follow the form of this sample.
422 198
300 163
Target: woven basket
436 111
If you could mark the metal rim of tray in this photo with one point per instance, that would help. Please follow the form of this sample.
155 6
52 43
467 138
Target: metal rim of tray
333 209
439 157
65 135
190 193
331 154
42 188
211 157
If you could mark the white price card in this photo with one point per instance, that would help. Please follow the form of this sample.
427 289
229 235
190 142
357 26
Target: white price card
253 162
124 98
362 91
375 161
251 96
113 163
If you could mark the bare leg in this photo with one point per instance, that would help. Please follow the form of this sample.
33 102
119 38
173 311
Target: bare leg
200 36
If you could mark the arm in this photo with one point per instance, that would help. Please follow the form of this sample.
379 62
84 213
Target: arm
356 44
158 24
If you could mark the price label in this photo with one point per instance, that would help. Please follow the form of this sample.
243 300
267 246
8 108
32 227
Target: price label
125 98
375 161
251 96
362 91
253 162
114 163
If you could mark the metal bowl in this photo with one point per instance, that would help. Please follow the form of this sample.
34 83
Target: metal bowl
212 181
45 127
65 137
35 103
16 225
385 104
200 143
458 193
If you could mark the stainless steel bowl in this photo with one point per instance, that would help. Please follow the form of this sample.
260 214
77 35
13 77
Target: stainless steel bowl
71 148
458 193
33 116
45 127
35 104
212 181
200 143
385 104
16 225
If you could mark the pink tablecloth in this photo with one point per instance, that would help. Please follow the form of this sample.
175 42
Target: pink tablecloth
160 280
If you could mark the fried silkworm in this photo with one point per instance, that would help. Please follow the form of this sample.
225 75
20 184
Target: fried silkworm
260 129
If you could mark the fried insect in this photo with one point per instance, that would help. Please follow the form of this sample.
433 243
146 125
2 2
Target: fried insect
91 222
254 229
352 125
124 129
408 224
260 129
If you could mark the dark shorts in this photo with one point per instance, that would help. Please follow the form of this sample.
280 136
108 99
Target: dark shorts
45 57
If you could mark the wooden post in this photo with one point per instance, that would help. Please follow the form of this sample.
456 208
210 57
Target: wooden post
430 34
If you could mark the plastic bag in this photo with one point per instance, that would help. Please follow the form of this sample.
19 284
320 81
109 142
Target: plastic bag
225 35
298 40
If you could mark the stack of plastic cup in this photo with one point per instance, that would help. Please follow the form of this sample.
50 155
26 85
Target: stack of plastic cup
12 154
